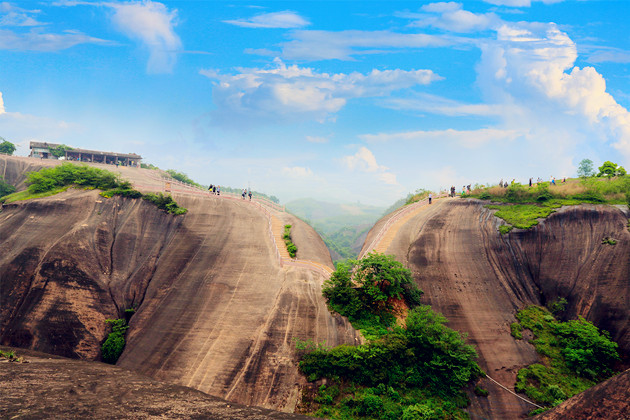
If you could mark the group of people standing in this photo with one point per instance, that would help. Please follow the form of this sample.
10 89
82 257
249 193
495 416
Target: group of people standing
245 192
215 189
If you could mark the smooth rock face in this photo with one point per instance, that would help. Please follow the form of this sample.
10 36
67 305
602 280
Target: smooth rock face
215 311
479 279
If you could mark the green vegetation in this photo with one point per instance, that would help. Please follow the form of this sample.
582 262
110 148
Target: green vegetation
411 372
50 181
344 241
6 147
148 166
609 241
610 169
114 345
182 177
60 150
164 202
420 194
5 188
482 392
10 356
291 247
585 168
520 206
576 355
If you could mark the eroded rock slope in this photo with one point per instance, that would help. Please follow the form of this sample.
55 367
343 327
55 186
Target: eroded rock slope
479 279
215 310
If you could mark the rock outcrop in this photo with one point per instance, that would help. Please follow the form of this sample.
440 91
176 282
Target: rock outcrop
215 310
479 279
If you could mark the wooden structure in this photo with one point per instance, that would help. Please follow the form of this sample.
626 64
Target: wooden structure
42 150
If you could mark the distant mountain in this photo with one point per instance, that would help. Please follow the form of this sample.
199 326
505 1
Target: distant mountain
343 226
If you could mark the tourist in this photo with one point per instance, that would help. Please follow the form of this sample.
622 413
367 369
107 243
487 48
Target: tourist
430 197
250 195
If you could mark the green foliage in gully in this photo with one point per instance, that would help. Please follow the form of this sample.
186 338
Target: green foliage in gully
291 247
411 372
576 356
49 181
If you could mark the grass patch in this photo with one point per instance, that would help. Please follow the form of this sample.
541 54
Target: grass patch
521 205
27 195
576 356
415 370
291 247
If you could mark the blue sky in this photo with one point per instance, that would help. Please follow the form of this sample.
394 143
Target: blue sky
343 101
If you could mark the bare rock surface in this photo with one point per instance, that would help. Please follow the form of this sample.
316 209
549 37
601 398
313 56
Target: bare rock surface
48 386
215 310
479 279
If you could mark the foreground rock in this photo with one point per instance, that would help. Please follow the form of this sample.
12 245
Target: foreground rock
608 400
49 386
479 279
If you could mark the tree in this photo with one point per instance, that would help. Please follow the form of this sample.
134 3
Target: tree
585 168
60 150
610 169
6 147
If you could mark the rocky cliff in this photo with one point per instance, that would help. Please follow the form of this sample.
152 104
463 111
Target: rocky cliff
215 310
479 279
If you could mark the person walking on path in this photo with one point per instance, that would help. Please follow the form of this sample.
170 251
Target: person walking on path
250 195
430 197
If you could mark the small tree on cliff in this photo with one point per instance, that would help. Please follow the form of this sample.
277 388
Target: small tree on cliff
6 147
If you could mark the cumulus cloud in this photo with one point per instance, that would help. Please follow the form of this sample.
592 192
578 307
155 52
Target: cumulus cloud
343 45
532 66
364 161
2 111
293 92
152 24
286 19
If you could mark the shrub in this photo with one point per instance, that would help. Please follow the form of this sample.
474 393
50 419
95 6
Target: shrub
590 197
558 307
291 247
114 345
164 202
516 330
481 392
67 174
6 188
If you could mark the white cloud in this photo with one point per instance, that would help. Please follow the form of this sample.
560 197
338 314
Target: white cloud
286 19
2 111
463 138
36 40
519 3
343 45
452 17
314 139
11 15
363 160
290 92
297 172
532 67
152 24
